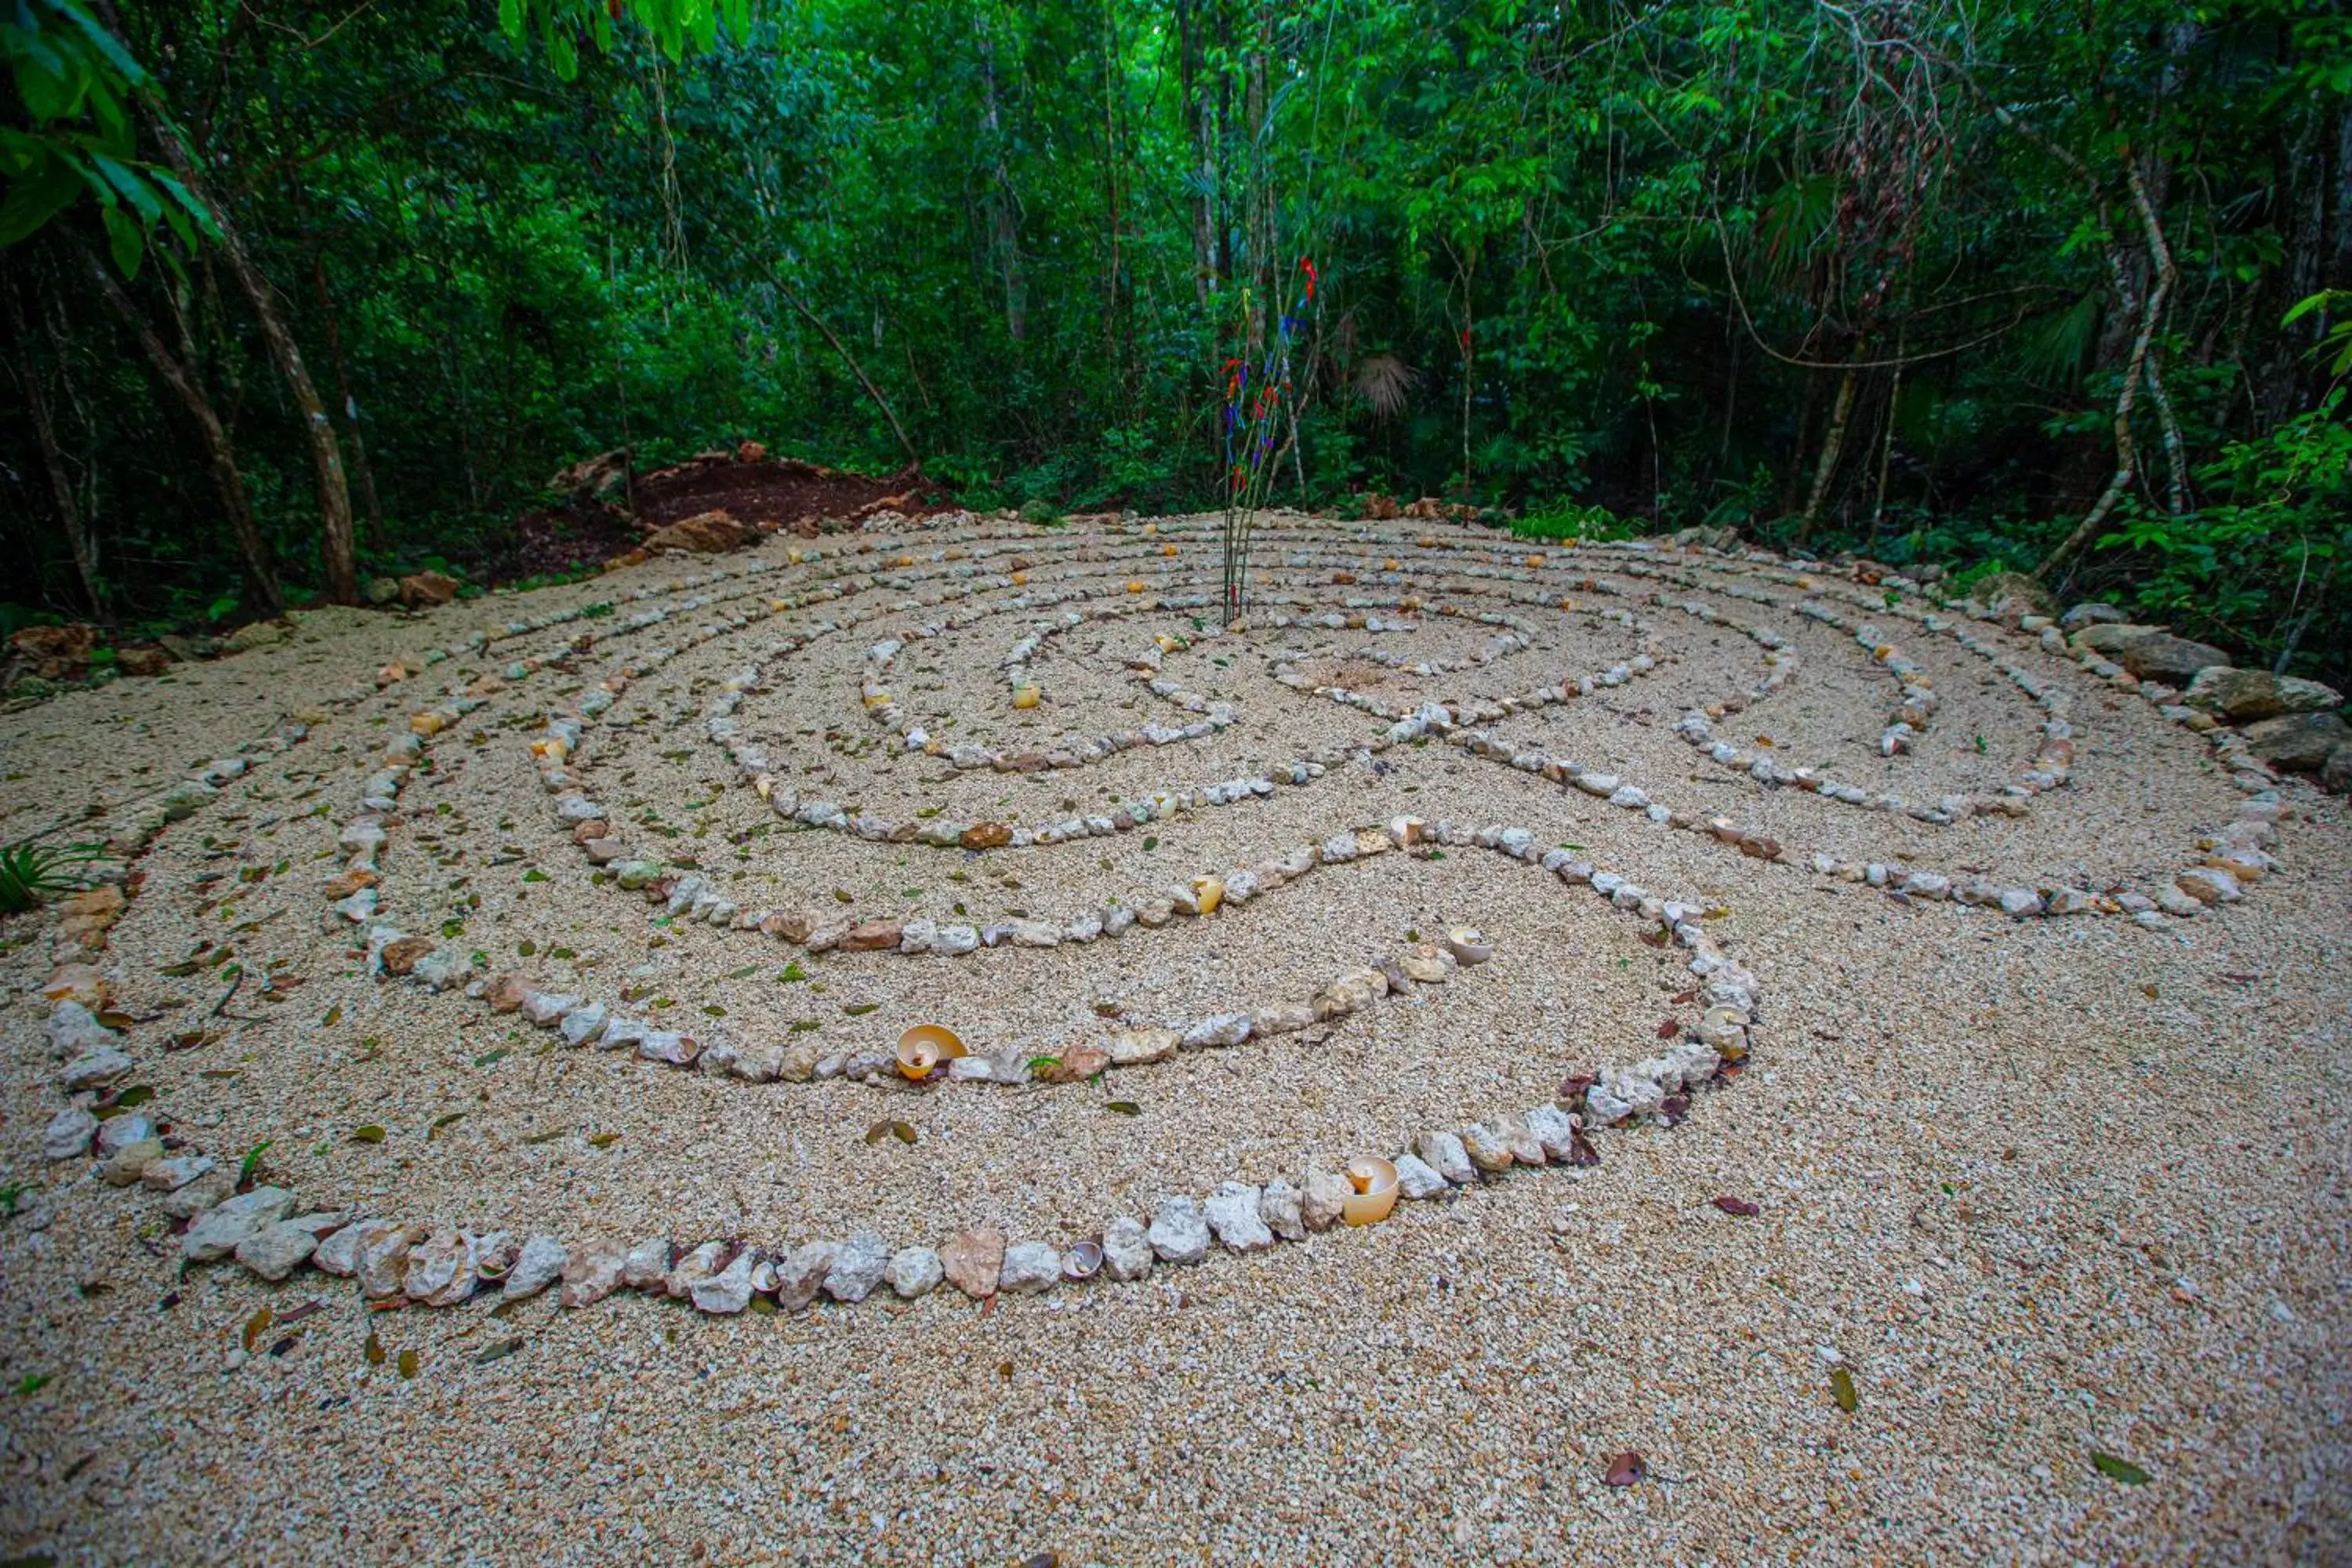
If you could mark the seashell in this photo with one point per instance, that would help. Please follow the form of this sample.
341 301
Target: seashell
1024 696
1082 1260
924 1046
1468 945
1209 892
1375 1198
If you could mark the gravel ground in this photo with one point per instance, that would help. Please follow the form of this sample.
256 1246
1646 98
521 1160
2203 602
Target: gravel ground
2044 1189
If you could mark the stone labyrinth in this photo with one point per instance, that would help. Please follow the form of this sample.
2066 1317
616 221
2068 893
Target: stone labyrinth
964 904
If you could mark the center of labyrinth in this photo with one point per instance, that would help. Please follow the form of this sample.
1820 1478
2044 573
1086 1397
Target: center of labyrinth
968 905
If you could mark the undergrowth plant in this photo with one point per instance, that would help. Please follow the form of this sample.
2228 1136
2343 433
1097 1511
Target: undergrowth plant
31 871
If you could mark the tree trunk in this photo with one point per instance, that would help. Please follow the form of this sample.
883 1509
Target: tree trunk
856 369
339 546
2126 454
1832 444
360 468
220 460
1003 218
53 458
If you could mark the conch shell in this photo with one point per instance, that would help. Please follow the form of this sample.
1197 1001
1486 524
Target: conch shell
1375 1181
924 1047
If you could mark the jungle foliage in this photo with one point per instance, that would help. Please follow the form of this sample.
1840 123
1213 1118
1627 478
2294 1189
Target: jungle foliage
295 293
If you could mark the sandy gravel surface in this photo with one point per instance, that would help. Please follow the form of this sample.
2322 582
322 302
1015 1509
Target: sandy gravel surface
2044 1189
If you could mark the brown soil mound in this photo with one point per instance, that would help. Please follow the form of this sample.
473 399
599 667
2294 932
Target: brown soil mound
594 522
769 493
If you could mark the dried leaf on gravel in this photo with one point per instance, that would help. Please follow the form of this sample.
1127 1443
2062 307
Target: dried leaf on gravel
407 1363
1841 1389
374 1350
370 1134
603 1140
440 1122
1625 1470
1124 1108
1740 1206
888 1129
1669 1029
498 1352
255 1325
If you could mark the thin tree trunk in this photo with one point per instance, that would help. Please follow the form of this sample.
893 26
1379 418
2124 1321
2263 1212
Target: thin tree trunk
856 369
1003 219
1832 445
2160 255
228 485
2126 454
53 458
339 546
360 468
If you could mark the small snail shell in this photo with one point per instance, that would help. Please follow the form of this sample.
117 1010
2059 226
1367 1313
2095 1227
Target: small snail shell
1375 1181
1209 892
1468 945
1082 1260
925 1047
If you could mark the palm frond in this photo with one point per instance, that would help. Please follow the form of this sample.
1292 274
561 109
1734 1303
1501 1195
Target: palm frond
1384 381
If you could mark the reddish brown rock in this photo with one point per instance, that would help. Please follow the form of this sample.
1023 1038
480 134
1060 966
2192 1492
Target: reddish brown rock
505 993
400 957
423 590
56 653
987 835
142 658
873 936
350 882
706 533
973 1260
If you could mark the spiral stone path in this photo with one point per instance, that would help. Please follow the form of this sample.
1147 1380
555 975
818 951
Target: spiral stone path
1869 1060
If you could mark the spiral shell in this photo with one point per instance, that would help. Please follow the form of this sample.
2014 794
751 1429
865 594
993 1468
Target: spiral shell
1375 1198
924 1047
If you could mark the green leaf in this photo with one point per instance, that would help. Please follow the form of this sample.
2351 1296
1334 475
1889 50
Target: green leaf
2122 1470
124 240
36 196
370 1133
1841 1389
1124 1108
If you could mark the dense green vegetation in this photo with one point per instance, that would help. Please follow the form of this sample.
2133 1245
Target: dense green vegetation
2003 284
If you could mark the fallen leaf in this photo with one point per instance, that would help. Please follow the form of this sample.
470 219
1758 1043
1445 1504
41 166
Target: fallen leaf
1675 1109
603 1140
1685 998
1669 1029
370 1134
1580 1150
860 1009
435 1130
1625 1470
498 1352
255 1325
888 1129
1740 1206
407 1363
1841 1389
1124 1108
374 1351
2122 1470
307 1309
544 1137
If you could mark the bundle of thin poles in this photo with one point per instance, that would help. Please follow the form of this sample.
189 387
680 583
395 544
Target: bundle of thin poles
1255 397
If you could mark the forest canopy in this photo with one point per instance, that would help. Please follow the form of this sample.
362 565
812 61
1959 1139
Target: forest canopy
298 295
